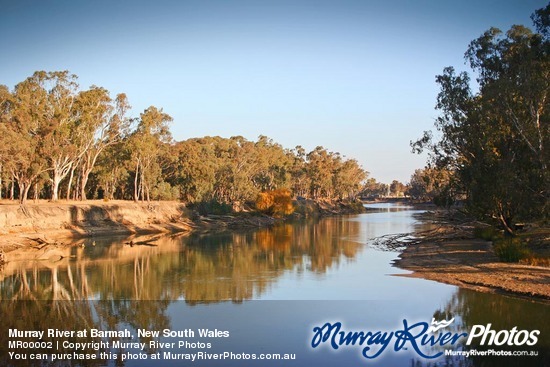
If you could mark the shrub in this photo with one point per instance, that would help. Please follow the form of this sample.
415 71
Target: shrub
486 233
164 191
510 250
213 207
536 261
276 202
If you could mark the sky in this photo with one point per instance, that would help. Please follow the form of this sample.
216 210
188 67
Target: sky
356 77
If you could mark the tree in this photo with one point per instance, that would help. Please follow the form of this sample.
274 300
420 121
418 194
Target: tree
146 144
54 136
299 178
196 169
112 170
397 188
56 93
101 124
23 127
321 165
495 139
273 165
374 189
5 106
430 184
348 179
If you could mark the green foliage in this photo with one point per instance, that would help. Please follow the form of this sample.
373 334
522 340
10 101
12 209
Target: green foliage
494 140
213 207
146 144
486 233
306 208
163 191
85 144
510 249
398 188
432 184
374 189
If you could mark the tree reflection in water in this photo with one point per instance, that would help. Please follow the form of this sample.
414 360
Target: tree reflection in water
118 285
471 308
112 286
226 266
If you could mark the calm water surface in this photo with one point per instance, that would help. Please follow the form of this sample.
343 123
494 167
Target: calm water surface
269 287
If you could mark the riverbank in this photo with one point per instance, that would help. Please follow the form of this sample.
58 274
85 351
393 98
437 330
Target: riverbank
450 254
59 224
50 226
47 222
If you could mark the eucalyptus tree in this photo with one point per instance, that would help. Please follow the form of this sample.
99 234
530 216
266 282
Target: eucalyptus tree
273 165
57 92
196 168
299 179
238 167
321 166
348 179
112 170
374 189
5 110
495 139
102 122
24 122
146 144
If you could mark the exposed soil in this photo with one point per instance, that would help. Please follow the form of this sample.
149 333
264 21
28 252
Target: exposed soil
50 223
471 263
45 229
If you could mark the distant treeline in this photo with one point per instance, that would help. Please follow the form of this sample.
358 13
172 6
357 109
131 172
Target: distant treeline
57 141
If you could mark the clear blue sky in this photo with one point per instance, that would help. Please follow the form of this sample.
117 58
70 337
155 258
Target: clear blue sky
357 77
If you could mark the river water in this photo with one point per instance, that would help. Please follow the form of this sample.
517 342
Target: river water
268 288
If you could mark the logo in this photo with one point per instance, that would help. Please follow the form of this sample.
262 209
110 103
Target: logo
420 337
436 325
503 337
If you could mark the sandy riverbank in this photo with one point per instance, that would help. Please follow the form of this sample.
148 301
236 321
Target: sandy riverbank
49 227
50 222
45 229
471 263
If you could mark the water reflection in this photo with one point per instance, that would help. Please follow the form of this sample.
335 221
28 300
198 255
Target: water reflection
387 207
204 279
199 268
470 308
274 326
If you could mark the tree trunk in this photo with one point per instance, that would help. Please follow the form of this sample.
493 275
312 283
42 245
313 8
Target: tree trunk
60 171
142 185
12 188
506 221
36 192
56 180
84 182
88 164
70 184
75 191
136 192
507 226
23 192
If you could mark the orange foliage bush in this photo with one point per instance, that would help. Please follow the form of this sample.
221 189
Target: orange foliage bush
276 202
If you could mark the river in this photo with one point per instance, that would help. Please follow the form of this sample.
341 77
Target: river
267 289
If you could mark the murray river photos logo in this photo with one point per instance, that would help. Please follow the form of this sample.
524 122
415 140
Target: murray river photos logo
421 337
